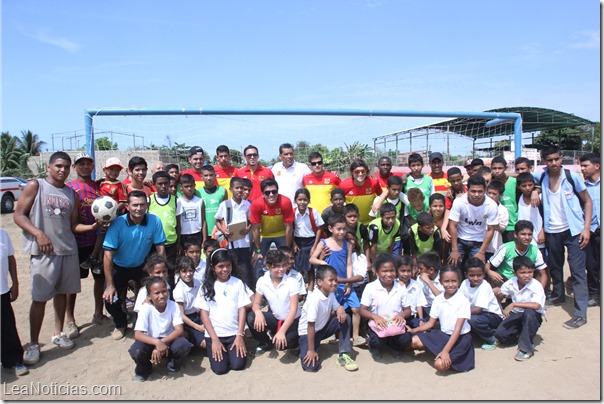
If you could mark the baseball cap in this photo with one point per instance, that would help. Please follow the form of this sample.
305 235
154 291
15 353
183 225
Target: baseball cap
195 150
82 156
468 163
436 155
113 161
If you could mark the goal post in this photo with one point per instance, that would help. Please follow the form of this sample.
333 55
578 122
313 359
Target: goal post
495 117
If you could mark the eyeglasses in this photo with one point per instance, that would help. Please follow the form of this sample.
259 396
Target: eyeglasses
360 171
316 163
271 192
252 155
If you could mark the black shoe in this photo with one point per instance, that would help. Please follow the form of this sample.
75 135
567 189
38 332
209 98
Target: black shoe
575 322
551 302
397 354
261 349
376 354
593 302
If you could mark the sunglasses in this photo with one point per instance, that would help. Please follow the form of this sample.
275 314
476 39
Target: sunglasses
271 192
360 171
316 163
251 155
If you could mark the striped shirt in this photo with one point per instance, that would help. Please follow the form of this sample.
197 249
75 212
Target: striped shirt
87 192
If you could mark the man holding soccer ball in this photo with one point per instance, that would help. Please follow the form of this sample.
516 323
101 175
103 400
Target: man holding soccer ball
48 213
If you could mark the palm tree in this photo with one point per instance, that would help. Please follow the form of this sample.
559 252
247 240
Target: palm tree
10 153
30 143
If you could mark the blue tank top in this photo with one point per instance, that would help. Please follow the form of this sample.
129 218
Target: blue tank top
337 259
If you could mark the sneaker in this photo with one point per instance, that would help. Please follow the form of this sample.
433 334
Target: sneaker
593 302
97 268
358 341
62 341
32 355
139 378
348 363
333 340
551 302
118 333
523 356
489 347
20 369
72 331
261 349
87 264
172 367
575 322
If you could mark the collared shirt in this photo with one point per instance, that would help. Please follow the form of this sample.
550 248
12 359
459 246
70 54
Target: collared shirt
223 177
302 225
272 218
447 311
381 302
260 174
416 296
531 292
279 297
240 212
186 295
594 192
570 202
481 296
132 242
320 187
441 185
158 324
317 309
290 179
427 291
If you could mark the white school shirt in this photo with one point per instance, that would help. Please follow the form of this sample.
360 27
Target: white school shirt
156 324
6 250
531 292
557 217
189 214
317 309
447 311
359 267
380 302
224 309
141 296
298 277
200 271
530 213
427 291
186 295
503 217
472 221
302 226
278 298
290 179
416 296
240 212
481 296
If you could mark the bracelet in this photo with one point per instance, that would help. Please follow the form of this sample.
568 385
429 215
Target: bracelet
240 334
258 251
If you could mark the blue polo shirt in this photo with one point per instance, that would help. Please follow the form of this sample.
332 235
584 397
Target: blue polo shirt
570 202
594 192
132 242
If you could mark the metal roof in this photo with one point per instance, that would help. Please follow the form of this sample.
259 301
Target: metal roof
533 120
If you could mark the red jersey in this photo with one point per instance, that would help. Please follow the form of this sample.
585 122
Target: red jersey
256 177
223 177
383 182
87 192
450 196
272 218
362 196
320 187
147 190
197 176
441 185
115 190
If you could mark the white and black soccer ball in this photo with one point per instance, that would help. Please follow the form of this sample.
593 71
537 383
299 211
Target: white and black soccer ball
104 208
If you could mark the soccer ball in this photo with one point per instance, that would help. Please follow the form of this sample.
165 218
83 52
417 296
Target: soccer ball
104 208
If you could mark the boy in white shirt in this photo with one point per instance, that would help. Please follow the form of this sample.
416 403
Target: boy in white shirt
429 279
190 211
495 190
526 310
415 293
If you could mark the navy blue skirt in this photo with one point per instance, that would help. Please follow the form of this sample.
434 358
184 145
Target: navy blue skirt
462 354
302 259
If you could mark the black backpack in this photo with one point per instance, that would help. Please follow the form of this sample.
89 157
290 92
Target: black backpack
570 179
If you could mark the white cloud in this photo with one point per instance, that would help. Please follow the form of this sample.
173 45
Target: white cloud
586 40
47 37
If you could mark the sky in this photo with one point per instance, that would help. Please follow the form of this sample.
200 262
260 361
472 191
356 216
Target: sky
62 57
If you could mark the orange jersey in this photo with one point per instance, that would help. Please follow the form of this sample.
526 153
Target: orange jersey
362 196
223 177
320 188
441 185
256 177
272 218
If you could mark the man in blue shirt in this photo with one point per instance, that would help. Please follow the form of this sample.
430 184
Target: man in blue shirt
565 226
590 167
127 243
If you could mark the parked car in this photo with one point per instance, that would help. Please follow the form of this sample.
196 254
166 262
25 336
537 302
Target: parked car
10 191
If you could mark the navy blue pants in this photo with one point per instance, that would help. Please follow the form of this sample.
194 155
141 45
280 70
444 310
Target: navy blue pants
230 360
576 262
485 324
397 343
121 277
272 324
141 354
12 351
593 266
521 327
330 329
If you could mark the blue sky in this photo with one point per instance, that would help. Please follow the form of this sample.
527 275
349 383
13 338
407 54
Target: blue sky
61 57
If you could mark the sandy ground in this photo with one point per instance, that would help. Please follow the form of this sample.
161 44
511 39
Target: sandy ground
566 366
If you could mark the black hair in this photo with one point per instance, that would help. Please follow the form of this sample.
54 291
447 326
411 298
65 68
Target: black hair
523 160
337 191
435 197
450 268
268 182
415 158
187 179
153 260
136 161
383 259
524 177
482 170
477 180
184 262
210 243
522 261
59 155
314 155
335 219
324 270
522 225
385 158
160 174
136 194
453 170
152 280
274 257
430 260
474 263
356 163
351 207
403 260
387 208
219 255
302 191
249 147
285 146
223 149
208 167
192 242
168 167
551 149
286 250
591 157
357 244
497 185
424 219
248 183
476 162
394 180
235 180
499 160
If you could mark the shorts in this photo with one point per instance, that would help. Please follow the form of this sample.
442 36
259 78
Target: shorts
52 275
83 254
350 300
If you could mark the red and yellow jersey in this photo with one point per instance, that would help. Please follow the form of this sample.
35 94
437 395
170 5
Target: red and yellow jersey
362 196
223 177
320 188
115 190
198 178
256 177
383 182
272 218
441 185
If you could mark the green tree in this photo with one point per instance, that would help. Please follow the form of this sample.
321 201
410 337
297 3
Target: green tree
566 138
103 143
30 143
10 154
